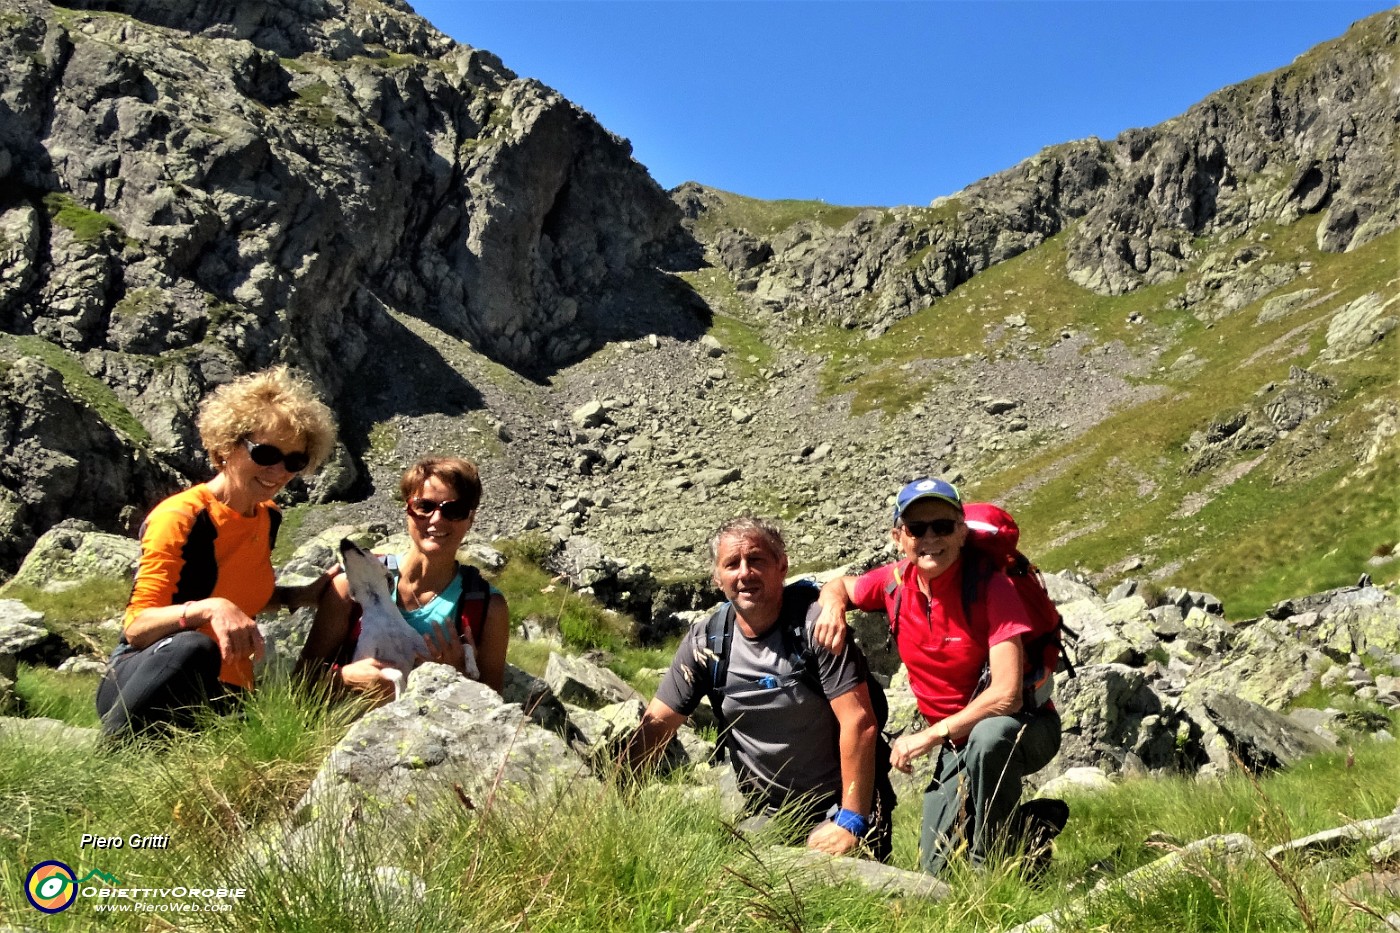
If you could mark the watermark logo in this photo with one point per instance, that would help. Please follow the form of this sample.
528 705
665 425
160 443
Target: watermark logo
52 886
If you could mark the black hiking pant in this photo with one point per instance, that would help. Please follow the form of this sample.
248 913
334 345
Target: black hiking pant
161 685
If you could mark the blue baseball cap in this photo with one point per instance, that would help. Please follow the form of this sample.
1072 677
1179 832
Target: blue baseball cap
926 488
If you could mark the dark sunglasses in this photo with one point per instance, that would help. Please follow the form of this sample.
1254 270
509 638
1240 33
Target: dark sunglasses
941 527
454 510
269 455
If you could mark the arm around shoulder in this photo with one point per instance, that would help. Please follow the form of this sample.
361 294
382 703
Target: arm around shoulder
829 630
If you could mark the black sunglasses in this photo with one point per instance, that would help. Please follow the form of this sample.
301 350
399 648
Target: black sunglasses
941 527
454 510
270 455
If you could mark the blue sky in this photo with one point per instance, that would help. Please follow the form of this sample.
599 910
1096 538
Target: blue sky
880 103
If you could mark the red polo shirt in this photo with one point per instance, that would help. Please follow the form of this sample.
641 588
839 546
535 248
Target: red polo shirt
943 652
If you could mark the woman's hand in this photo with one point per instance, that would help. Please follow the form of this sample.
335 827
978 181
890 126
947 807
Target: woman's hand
235 632
441 646
829 631
907 748
366 677
311 594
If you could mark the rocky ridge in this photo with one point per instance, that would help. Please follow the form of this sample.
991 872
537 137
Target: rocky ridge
1312 138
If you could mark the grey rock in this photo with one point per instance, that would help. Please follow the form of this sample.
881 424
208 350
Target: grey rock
81 665
589 415
448 740
39 731
1076 780
577 682
32 644
1363 322
534 696
718 476
1261 738
1332 840
1122 591
76 552
805 867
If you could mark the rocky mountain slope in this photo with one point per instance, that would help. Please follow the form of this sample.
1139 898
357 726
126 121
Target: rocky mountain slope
1164 351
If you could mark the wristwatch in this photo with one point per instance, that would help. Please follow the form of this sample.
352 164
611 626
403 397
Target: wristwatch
940 729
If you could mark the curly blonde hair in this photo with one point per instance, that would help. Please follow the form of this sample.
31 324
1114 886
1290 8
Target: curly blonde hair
265 401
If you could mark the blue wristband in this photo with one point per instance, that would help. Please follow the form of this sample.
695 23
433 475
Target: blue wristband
852 822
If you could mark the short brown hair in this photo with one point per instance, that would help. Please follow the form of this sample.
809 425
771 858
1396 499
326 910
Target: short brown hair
749 528
460 474
269 400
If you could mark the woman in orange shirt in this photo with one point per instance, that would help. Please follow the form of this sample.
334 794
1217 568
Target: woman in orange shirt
189 637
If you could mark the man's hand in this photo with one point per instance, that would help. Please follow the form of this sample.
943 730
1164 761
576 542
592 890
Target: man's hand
907 748
831 839
366 676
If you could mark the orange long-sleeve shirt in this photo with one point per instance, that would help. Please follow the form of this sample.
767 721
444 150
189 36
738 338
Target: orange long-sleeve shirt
193 547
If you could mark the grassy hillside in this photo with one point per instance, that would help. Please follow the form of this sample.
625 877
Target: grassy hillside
1309 512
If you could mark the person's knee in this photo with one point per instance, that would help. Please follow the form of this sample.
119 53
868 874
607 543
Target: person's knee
992 740
195 651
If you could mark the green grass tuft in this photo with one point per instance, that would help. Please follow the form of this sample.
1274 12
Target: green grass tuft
91 391
87 226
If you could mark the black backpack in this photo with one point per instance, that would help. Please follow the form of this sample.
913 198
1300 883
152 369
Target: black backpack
797 599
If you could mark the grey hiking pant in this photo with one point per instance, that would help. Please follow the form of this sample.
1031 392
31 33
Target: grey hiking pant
976 788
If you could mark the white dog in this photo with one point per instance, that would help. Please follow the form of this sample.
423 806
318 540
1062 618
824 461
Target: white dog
384 635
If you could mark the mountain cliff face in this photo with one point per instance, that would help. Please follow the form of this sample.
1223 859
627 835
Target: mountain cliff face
194 190
1116 338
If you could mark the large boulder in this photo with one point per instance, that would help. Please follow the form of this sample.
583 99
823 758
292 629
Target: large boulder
1260 738
580 683
447 738
74 552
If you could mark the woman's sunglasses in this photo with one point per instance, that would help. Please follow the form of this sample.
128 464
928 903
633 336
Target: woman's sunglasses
269 455
941 527
454 510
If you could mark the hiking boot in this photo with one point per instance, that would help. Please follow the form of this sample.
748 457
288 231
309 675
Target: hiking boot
1038 822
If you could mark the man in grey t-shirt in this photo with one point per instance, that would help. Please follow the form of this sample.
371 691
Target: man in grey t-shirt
792 741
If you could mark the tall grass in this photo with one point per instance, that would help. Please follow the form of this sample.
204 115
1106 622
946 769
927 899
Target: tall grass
618 856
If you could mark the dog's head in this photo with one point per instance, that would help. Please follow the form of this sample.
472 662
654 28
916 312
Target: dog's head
369 579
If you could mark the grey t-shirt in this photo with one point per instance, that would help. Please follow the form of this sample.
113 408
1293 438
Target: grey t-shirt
786 736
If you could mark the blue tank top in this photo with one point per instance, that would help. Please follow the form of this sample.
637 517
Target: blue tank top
439 610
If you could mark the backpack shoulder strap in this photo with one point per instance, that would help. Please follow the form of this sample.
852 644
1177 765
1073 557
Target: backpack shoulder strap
719 636
797 645
274 524
976 570
472 601
896 587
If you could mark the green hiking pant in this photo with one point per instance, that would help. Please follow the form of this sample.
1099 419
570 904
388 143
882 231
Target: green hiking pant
976 788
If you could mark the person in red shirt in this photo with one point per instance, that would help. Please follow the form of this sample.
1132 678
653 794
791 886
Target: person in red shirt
966 674
188 636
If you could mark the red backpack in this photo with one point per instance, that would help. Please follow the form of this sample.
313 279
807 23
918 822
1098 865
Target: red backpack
992 536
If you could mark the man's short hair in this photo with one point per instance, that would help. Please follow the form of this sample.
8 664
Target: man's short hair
749 527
